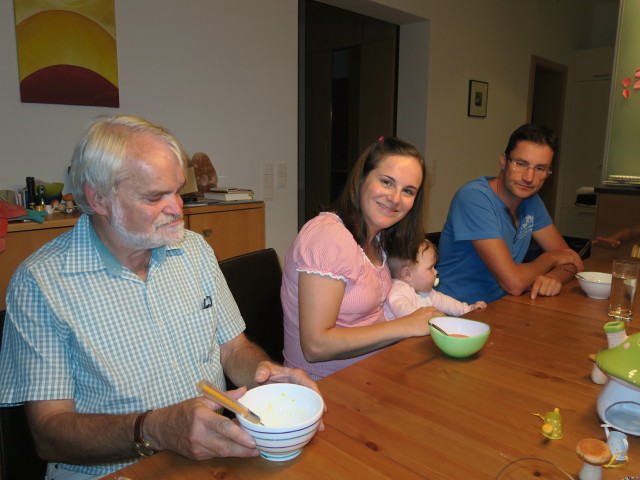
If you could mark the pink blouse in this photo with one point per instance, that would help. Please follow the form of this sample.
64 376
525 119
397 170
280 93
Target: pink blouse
324 246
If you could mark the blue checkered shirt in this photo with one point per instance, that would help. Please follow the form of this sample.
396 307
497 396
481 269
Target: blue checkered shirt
81 326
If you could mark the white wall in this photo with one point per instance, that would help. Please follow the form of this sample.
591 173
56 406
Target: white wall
223 76
492 41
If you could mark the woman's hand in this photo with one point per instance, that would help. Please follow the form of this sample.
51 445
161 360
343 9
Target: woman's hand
319 300
418 321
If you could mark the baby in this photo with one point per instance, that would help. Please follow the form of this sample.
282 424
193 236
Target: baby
413 284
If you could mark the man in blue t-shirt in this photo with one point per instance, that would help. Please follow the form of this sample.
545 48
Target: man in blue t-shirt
491 222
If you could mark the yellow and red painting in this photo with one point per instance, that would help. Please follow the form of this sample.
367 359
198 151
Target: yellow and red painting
67 52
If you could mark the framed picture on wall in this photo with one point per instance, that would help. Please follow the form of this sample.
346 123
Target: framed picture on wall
67 52
478 95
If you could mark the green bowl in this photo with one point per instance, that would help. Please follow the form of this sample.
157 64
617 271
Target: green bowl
53 189
475 335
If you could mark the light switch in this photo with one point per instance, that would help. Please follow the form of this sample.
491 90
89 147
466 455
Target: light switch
282 175
267 181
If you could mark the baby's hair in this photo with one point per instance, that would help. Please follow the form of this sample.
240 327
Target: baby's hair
396 264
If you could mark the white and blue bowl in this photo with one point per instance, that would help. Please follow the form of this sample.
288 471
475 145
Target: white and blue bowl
291 415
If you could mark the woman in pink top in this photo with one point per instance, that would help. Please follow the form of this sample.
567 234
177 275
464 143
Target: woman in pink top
336 278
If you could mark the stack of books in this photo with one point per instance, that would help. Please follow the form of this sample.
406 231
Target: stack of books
622 180
228 194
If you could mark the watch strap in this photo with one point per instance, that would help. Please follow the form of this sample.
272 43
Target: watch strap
141 446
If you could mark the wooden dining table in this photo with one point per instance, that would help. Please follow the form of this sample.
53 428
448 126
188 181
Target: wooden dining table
410 411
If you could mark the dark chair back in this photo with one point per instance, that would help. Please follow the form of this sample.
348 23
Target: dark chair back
433 237
254 280
18 457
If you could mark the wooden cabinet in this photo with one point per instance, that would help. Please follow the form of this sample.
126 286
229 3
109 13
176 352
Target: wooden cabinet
230 229
617 209
25 238
593 64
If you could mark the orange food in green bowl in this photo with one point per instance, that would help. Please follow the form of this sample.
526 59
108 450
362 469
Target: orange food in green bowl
464 336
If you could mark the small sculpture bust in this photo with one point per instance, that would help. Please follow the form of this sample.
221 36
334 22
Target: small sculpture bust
206 176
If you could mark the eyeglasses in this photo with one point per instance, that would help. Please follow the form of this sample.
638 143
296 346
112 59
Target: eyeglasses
521 167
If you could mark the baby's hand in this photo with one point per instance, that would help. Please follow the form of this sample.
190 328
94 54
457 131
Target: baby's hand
479 304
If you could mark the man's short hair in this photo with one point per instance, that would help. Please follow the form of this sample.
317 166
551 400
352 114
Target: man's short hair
530 132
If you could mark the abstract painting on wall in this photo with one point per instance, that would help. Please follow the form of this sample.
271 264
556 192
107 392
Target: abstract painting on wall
67 52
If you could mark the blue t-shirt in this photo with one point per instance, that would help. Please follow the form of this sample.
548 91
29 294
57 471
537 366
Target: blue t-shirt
477 213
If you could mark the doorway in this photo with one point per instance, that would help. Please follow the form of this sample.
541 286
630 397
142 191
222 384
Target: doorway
349 65
547 89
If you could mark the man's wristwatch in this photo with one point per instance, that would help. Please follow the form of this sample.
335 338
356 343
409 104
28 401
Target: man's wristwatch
143 448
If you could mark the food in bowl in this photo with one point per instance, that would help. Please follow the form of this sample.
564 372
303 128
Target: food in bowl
290 415
464 336
595 284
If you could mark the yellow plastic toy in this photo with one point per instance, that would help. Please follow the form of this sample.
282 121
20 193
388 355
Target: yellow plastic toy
552 427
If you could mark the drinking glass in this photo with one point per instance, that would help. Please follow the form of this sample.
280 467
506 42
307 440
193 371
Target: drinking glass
623 289
533 469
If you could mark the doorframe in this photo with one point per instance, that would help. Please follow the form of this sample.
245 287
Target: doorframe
539 62
413 76
553 117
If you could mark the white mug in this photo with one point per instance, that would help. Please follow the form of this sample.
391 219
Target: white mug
618 444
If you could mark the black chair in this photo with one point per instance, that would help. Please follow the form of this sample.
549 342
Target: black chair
254 280
582 246
433 237
18 457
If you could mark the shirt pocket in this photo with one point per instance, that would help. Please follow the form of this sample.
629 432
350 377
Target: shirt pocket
199 328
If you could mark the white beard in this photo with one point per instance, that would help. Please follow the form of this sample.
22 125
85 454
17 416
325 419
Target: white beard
157 237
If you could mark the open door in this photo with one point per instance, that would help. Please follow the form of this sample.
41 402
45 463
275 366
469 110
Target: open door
350 82
547 90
